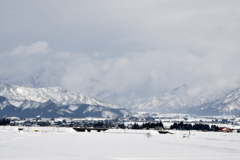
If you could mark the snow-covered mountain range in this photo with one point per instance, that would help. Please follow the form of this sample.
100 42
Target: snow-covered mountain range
227 104
53 101
56 101
165 102
180 101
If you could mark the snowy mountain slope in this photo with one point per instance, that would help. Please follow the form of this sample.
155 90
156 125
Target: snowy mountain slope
166 102
228 104
57 95
54 101
50 109
177 100
3 102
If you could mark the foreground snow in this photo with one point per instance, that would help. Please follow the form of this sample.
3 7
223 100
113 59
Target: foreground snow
65 143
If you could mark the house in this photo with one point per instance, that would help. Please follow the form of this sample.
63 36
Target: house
223 129
233 131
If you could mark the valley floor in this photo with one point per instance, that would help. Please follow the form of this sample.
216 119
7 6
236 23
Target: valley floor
66 144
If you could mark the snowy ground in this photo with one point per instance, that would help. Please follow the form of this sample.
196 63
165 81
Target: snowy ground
66 144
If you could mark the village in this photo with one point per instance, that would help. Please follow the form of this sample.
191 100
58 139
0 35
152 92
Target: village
140 120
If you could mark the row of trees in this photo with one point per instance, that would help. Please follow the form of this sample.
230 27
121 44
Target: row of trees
197 126
147 125
132 126
4 121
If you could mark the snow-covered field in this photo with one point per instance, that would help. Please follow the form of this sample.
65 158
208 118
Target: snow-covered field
66 144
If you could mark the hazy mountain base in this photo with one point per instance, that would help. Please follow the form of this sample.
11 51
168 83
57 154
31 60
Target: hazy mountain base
201 110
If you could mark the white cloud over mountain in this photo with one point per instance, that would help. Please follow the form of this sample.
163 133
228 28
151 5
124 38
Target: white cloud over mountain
118 50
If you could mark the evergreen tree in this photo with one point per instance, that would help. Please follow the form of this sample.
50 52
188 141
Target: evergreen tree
4 121
135 126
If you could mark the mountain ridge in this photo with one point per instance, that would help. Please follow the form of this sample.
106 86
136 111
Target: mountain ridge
63 102
178 100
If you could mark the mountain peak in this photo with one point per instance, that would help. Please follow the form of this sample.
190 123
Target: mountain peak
179 101
17 100
180 90
57 95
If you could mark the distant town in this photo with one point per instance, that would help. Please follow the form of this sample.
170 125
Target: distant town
141 120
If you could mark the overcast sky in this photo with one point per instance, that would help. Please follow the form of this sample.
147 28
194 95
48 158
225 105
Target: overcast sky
123 48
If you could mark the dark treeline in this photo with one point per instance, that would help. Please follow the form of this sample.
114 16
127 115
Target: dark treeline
101 124
197 126
147 125
4 121
132 126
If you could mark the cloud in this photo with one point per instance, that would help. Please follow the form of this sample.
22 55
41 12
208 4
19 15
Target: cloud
36 48
120 27
121 50
122 77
